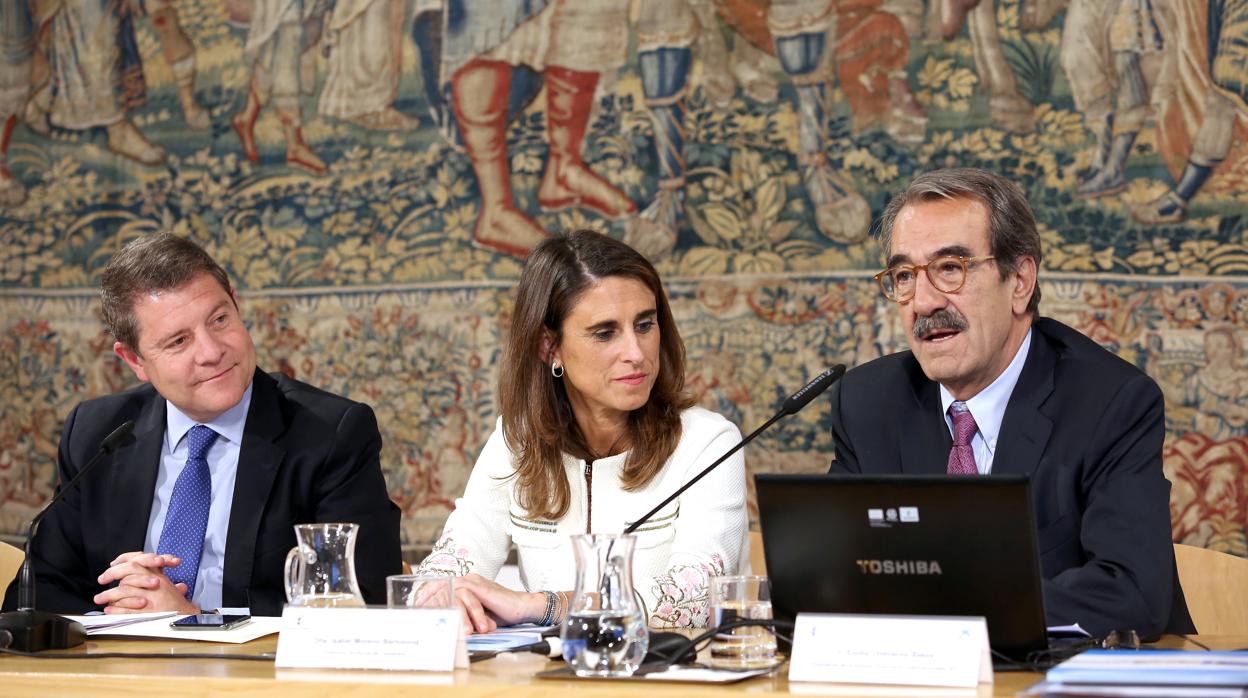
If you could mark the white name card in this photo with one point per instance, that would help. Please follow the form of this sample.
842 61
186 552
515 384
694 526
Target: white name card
405 639
877 649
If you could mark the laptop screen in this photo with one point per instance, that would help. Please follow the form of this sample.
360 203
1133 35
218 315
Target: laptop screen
906 544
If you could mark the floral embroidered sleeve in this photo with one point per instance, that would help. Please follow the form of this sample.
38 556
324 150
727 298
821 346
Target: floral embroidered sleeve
709 530
683 595
446 559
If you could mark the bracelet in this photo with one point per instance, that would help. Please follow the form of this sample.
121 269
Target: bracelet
560 608
548 616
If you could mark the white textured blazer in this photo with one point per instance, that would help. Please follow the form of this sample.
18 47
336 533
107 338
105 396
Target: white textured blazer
702 533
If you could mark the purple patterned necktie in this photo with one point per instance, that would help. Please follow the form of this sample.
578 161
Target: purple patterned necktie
962 456
187 518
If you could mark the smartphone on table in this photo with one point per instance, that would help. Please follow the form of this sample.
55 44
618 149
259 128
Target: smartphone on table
209 621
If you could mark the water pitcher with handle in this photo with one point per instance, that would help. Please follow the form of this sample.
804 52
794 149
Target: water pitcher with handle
320 570
605 631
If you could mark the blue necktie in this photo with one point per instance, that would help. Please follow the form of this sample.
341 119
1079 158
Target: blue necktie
187 518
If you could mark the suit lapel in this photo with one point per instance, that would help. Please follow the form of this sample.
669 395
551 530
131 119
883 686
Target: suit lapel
925 439
258 460
1025 429
135 465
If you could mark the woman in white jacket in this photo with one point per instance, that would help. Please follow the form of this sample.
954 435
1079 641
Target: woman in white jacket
596 429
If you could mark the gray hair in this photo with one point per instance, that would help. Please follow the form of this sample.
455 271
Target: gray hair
1012 232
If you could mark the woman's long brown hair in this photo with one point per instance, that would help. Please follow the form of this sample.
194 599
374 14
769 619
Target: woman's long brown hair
538 423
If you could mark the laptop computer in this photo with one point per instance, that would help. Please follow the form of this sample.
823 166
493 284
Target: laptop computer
906 544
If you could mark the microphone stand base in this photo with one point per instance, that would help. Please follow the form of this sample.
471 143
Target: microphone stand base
35 631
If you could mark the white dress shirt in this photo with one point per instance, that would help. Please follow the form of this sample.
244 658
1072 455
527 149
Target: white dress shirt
988 408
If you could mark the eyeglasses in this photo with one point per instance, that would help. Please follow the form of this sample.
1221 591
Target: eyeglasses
947 274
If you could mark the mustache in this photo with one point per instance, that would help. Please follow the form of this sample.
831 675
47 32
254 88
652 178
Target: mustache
943 319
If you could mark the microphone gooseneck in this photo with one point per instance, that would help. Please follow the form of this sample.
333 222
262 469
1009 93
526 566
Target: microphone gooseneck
29 630
811 390
792 405
26 582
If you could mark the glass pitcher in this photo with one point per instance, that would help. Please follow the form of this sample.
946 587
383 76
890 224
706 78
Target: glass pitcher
320 570
605 633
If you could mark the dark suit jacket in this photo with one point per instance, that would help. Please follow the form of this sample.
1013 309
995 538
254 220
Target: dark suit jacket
307 456
1088 428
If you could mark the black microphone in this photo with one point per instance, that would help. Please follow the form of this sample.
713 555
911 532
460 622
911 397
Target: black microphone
801 398
792 405
31 630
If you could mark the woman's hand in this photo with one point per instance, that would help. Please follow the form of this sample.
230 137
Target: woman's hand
485 604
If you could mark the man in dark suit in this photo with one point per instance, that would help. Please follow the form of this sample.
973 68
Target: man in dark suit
990 387
195 511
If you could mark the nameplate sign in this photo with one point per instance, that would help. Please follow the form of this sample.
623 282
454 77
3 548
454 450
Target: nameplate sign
403 639
878 649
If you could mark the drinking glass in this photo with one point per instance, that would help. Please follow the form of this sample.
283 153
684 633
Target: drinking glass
741 597
419 591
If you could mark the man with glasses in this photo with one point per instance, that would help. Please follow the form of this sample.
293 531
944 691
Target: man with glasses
989 386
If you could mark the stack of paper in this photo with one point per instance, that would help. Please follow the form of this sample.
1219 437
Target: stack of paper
1166 667
100 624
509 638
1148 673
156 625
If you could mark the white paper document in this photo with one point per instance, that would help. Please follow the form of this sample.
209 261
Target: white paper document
508 638
1068 630
99 623
1154 668
1056 688
689 674
156 625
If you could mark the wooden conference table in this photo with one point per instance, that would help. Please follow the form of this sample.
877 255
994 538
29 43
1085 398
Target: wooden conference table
507 675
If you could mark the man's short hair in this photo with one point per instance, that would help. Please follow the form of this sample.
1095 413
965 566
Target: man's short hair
150 264
1012 232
